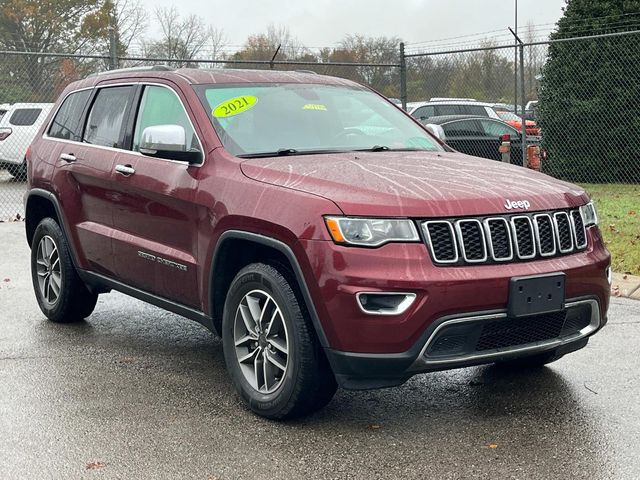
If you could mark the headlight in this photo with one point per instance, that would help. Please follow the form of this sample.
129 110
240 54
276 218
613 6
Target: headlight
371 232
589 216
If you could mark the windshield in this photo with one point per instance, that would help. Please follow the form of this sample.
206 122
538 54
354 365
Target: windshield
509 116
277 119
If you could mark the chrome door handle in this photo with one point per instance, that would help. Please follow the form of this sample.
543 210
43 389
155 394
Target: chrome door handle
68 157
125 170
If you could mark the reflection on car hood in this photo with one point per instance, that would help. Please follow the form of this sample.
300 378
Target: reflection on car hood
415 184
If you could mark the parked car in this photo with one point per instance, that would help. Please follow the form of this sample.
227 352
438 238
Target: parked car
324 254
478 136
530 111
438 107
18 125
516 122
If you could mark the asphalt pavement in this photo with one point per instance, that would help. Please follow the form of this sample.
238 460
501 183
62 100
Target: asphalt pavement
138 393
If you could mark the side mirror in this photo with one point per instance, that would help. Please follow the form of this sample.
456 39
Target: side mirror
168 141
437 131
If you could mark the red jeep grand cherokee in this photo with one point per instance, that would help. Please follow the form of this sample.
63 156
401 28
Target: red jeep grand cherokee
324 234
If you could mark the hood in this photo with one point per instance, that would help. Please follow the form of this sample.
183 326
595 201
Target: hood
415 184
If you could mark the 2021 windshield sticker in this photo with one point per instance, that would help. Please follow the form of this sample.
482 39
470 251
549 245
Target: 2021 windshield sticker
234 106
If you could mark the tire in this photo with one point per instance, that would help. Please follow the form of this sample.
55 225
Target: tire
51 269
533 361
291 384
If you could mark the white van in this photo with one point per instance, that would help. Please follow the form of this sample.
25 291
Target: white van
18 126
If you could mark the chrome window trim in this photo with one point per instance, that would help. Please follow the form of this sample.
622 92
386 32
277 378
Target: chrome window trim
425 229
463 248
557 227
400 309
515 237
490 243
575 232
46 136
594 324
537 234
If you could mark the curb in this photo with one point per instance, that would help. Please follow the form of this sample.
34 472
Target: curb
625 285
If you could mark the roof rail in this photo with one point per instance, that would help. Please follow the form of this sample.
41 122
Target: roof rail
307 71
151 68
449 99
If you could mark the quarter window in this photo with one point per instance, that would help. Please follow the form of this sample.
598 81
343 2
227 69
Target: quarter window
66 123
161 106
105 122
25 116
497 129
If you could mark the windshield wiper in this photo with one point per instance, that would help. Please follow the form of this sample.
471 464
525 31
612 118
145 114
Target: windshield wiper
384 148
283 152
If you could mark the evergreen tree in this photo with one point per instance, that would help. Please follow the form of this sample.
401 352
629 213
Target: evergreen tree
589 109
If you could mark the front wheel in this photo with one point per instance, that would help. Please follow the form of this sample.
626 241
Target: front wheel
270 349
61 294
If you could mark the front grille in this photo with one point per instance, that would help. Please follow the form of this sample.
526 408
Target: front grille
520 331
484 336
505 238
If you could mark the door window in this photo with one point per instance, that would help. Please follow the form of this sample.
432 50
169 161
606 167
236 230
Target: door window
423 113
463 128
66 123
24 117
161 106
497 129
106 118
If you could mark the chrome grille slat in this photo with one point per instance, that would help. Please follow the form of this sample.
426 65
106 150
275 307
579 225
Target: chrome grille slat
471 240
504 238
499 239
544 233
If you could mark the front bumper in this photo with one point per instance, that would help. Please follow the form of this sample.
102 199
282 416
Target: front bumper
580 319
390 346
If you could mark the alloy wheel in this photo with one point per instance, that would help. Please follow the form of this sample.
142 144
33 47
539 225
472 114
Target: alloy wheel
48 270
261 341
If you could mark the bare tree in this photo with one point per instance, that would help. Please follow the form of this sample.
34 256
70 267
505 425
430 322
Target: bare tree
182 38
216 42
130 21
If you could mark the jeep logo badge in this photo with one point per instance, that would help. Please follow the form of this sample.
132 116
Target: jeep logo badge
523 204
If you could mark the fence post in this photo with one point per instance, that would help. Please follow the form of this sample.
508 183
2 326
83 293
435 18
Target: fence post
403 78
113 43
524 101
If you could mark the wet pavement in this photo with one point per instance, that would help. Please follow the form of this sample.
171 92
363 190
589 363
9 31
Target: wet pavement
137 393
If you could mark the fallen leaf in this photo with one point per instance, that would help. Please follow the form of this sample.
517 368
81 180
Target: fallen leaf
625 276
374 426
493 445
6 280
95 465
632 212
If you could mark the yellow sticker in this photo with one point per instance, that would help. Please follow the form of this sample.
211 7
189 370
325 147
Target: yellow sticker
314 106
234 106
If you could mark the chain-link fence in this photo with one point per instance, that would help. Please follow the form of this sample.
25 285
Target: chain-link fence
31 82
580 99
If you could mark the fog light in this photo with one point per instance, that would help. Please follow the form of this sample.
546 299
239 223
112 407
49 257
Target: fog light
384 303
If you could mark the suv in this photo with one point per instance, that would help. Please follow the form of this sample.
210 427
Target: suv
323 233
440 107
19 124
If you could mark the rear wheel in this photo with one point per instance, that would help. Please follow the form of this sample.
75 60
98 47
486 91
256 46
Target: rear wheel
272 355
60 293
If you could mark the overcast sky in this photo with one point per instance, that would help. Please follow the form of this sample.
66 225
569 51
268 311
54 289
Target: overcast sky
325 22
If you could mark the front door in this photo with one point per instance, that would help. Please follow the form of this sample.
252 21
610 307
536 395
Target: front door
155 218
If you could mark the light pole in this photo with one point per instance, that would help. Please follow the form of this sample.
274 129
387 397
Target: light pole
515 62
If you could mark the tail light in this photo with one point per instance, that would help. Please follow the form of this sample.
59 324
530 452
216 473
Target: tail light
4 133
27 155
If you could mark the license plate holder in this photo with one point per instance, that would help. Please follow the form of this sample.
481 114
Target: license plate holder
537 294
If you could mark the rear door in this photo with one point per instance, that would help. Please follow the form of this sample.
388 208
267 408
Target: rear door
155 218
494 130
84 173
